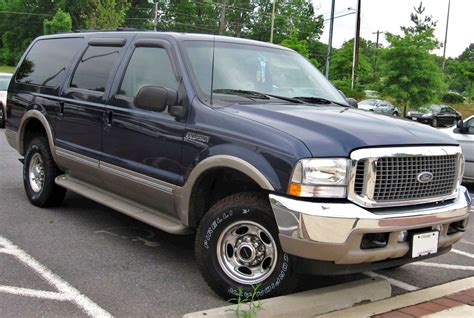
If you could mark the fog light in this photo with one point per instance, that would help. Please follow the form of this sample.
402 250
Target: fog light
403 236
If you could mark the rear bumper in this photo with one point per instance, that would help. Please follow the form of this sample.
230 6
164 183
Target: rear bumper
333 231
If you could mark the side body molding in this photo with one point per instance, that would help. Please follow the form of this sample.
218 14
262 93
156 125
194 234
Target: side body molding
183 195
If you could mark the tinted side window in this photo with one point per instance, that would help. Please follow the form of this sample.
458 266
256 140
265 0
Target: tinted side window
93 71
47 60
148 66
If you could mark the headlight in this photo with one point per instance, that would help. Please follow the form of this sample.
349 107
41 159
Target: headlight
427 115
324 178
408 114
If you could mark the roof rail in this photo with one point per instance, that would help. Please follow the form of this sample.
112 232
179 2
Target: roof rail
120 29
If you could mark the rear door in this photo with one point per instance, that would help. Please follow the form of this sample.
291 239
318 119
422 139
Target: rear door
81 115
142 148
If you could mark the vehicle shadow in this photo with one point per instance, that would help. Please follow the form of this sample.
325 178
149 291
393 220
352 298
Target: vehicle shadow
177 248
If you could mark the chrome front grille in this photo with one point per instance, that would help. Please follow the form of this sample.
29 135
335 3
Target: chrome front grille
391 176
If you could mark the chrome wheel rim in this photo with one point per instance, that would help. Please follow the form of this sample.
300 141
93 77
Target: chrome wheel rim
247 252
36 174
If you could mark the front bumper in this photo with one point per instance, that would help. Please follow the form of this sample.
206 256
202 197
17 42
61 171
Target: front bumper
333 231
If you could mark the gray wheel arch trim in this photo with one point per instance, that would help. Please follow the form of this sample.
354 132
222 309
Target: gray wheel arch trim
34 114
183 195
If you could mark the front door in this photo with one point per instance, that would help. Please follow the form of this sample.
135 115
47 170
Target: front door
142 148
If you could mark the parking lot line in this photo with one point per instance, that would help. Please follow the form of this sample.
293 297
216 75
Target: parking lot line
448 266
462 253
34 293
466 242
394 282
70 293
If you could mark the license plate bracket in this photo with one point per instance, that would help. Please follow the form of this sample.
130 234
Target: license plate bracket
424 243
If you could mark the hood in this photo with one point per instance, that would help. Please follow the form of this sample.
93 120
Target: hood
330 131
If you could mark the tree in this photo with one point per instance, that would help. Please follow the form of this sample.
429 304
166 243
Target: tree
410 73
61 22
341 63
105 14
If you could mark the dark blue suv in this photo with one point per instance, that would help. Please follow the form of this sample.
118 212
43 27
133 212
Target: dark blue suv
244 143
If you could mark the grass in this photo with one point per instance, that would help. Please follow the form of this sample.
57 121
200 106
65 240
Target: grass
253 305
7 69
465 109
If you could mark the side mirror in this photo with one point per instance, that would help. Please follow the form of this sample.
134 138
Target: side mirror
460 125
352 101
156 98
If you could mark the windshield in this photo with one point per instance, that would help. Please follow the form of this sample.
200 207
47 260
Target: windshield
4 81
242 67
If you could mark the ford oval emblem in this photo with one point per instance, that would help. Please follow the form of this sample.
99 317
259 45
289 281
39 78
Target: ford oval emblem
424 177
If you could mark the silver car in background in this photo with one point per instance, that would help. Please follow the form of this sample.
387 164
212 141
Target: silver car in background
4 82
379 106
464 134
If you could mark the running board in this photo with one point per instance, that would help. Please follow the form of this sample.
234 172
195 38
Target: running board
152 217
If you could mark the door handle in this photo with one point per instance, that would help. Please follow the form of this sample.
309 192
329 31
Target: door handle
61 108
110 116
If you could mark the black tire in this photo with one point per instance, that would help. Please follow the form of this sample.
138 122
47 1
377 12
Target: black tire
434 122
240 207
2 120
395 114
50 194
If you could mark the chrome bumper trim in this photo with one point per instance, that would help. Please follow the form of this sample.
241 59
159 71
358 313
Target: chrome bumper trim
335 222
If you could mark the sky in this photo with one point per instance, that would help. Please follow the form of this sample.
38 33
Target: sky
389 15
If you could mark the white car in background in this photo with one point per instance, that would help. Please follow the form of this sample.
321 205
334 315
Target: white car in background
465 136
4 82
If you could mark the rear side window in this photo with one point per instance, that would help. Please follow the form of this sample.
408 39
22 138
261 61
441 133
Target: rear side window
94 68
46 62
148 66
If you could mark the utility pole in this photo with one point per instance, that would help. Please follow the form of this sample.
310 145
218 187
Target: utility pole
355 57
156 15
222 20
273 20
446 36
331 25
376 49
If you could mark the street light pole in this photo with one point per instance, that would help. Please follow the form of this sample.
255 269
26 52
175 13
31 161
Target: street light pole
355 57
331 25
446 36
273 20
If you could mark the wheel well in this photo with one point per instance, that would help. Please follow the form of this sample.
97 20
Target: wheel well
32 129
215 185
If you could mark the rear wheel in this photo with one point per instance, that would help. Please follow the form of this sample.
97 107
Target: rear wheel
237 248
395 114
39 172
434 123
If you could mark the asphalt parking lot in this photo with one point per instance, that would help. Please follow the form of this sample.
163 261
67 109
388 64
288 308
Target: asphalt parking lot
85 259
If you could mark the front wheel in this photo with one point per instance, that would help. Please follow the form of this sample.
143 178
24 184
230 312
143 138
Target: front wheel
237 248
395 114
434 123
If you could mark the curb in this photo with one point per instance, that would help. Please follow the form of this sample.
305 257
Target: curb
312 302
401 301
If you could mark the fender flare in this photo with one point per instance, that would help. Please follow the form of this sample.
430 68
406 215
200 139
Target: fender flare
183 196
29 115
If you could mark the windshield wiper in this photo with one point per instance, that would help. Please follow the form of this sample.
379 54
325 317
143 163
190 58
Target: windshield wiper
318 100
254 94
